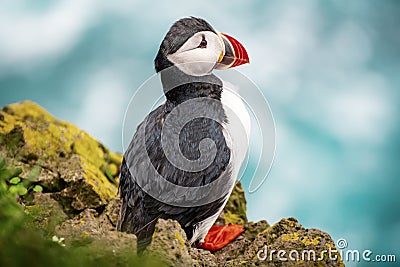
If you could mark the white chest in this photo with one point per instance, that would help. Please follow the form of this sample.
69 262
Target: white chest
238 126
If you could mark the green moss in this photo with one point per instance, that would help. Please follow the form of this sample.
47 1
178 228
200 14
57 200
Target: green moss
233 218
90 149
78 176
99 182
252 229
12 140
26 247
45 214
31 136
114 158
235 208
35 131
113 169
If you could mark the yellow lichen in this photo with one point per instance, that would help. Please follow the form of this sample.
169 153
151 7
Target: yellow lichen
85 234
266 230
180 239
112 169
99 182
329 246
235 208
50 140
290 237
230 217
115 158
42 133
30 109
89 148
315 241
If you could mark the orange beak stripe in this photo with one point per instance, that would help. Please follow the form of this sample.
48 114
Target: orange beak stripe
240 53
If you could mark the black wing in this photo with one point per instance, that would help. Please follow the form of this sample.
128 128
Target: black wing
140 211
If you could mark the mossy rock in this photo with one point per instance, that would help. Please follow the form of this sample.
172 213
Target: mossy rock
235 209
76 168
45 214
77 177
170 244
288 235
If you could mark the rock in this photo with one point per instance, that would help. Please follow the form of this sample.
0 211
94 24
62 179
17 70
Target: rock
86 225
170 244
91 228
67 183
90 231
202 257
252 229
112 210
235 208
288 236
46 213
78 170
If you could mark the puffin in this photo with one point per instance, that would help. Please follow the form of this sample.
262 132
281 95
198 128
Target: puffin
202 120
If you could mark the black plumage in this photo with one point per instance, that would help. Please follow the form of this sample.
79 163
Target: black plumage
140 211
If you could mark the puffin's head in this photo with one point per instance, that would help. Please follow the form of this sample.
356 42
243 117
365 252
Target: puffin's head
196 48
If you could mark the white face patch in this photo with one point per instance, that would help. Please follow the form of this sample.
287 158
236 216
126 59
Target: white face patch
193 58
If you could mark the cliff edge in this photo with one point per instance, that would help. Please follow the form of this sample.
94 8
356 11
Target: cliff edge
58 191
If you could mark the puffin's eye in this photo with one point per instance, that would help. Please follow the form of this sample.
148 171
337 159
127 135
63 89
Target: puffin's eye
203 43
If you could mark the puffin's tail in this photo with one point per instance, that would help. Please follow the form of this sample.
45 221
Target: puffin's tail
133 217
129 224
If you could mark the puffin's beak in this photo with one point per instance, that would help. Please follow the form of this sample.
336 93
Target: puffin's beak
233 53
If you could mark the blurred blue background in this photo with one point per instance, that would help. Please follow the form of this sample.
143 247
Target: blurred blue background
330 71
